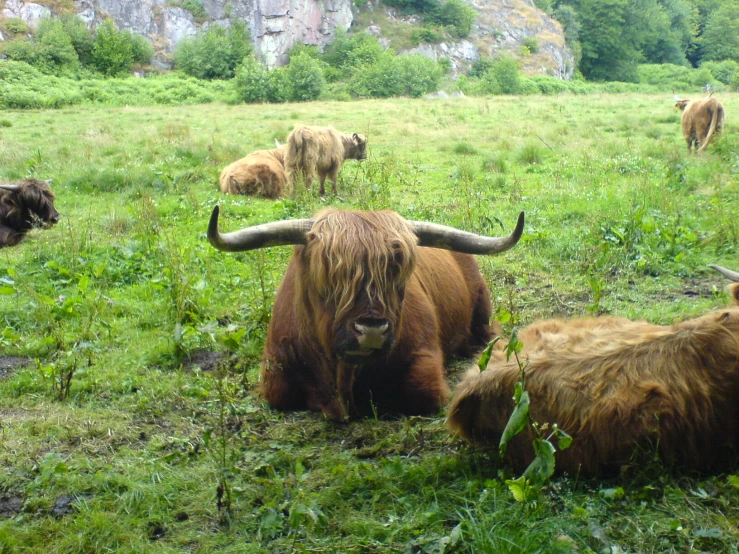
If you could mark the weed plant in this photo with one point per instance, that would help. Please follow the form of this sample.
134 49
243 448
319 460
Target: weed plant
131 457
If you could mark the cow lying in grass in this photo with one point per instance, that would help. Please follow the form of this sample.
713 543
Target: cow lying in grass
261 173
616 386
320 151
367 315
23 205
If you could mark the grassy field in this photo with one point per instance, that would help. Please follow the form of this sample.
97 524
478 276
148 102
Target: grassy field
135 425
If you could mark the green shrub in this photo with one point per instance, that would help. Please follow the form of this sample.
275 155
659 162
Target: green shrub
15 25
480 67
112 51
278 86
455 15
418 75
543 5
724 71
80 36
56 43
306 78
195 7
503 77
142 50
214 54
251 81
532 43
379 80
445 65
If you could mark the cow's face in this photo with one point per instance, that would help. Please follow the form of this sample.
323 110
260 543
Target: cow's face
359 264
682 104
358 150
37 198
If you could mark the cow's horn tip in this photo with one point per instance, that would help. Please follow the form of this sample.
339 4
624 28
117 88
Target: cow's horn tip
213 226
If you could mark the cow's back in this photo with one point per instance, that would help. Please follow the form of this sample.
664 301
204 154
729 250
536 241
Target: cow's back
459 296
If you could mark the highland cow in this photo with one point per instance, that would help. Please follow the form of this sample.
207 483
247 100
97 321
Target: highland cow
261 173
701 120
618 387
320 151
23 205
366 315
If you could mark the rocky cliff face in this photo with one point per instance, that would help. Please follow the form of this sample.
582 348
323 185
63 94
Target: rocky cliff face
277 25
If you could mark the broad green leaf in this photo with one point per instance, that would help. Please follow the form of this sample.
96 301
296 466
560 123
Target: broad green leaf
564 440
6 290
542 468
612 493
486 354
521 489
11 272
516 423
514 345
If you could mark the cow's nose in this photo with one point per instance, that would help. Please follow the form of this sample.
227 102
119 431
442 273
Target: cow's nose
372 332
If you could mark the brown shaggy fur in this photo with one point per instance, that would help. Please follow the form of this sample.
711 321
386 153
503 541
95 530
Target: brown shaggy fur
320 151
261 173
701 120
366 266
20 211
616 385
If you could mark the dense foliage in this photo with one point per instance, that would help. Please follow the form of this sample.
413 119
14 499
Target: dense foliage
214 54
452 18
65 46
611 38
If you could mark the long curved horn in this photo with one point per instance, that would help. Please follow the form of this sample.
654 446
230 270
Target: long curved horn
11 188
277 233
733 275
449 238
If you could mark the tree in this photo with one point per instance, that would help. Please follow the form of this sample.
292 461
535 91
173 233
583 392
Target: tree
610 51
720 38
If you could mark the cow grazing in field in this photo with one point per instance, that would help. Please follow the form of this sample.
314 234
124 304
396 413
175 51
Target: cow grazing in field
616 386
701 120
261 173
366 316
23 205
320 151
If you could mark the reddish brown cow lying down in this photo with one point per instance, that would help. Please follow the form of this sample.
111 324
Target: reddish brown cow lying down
261 173
616 385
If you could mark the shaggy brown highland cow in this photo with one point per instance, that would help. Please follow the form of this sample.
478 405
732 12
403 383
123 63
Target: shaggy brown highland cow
320 151
23 205
616 386
366 317
701 120
261 173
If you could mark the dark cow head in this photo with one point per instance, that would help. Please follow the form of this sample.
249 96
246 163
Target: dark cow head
23 205
355 147
356 266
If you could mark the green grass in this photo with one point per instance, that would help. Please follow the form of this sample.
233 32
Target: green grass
126 291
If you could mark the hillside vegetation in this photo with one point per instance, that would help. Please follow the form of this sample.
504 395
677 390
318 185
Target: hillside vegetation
136 426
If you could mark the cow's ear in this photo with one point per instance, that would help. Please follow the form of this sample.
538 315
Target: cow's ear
734 291
355 136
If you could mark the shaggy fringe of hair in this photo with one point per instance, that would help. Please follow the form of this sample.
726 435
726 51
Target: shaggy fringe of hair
356 250
34 196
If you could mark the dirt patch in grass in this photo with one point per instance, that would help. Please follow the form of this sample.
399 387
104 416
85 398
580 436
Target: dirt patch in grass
10 364
206 360
10 506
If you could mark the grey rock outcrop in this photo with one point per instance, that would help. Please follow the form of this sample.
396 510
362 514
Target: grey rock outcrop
277 25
